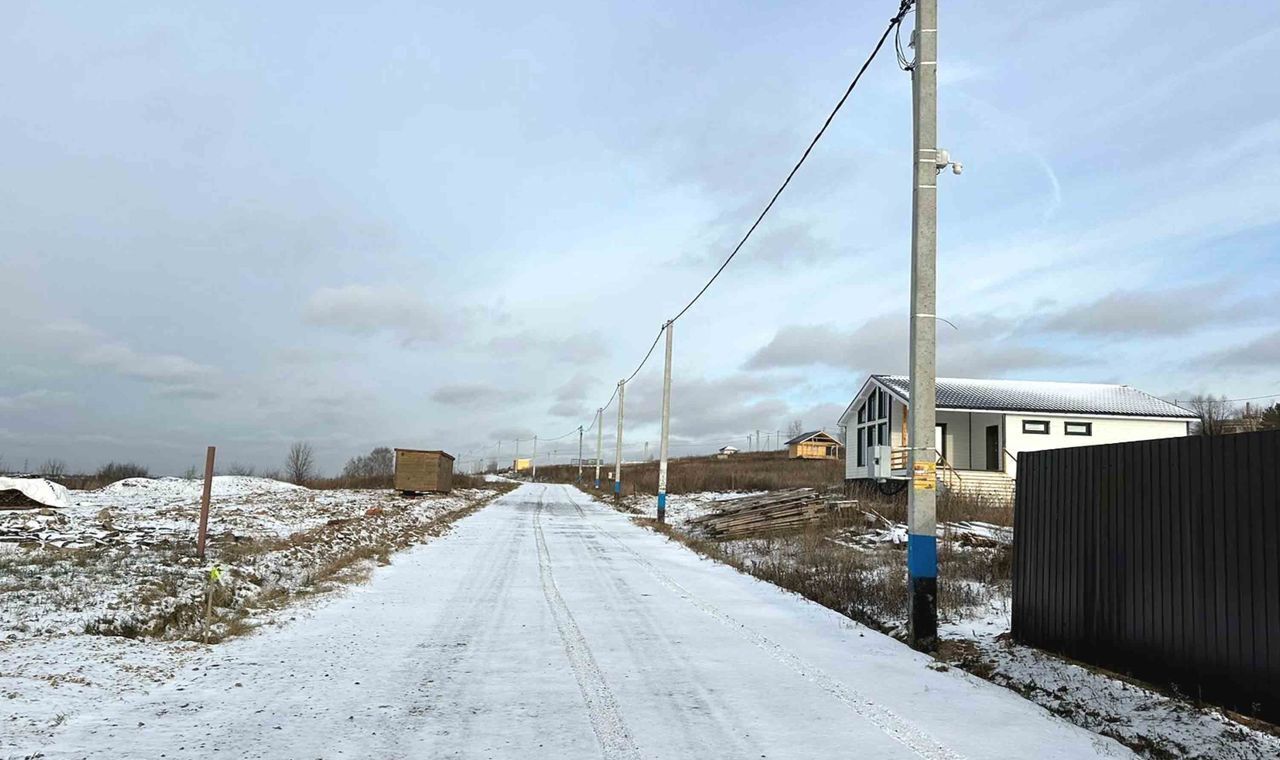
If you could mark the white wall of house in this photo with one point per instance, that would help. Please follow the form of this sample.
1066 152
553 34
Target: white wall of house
1104 430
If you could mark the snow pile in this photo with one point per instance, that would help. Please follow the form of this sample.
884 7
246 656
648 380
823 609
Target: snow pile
239 505
224 486
39 490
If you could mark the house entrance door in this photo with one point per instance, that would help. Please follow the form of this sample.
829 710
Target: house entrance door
994 460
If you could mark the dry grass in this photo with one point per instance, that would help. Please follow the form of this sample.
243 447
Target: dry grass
385 482
161 591
868 584
759 471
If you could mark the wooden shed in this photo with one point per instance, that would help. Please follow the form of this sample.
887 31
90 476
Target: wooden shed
816 444
419 471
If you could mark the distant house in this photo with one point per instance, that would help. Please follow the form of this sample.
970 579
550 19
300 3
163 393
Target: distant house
815 444
983 425
727 451
522 465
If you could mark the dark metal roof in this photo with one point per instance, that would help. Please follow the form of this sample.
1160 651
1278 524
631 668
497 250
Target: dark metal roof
806 436
1042 396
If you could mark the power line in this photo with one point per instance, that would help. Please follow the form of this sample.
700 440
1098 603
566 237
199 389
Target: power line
903 8
893 23
1225 400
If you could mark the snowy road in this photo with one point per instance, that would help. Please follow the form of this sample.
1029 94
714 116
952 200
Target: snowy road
547 626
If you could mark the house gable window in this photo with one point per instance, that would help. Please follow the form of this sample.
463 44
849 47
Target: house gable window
1035 427
1077 428
873 423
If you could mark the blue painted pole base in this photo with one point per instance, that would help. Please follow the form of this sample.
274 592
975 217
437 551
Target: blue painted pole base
662 506
597 484
922 570
617 488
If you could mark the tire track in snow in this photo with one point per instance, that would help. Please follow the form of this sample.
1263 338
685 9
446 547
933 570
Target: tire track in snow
892 724
602 709
454 639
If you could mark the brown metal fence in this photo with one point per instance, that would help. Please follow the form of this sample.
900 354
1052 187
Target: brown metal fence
1157 558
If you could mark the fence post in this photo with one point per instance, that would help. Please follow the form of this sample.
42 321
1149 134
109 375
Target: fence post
204 503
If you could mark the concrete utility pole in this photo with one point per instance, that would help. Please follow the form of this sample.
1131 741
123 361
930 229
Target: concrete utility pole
599 443
922 542
579 453
534 459
666 430
617 461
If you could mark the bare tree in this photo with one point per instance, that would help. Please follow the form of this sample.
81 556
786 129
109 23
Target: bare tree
795 428
1213 412
235 468
53 468
382 462
299 465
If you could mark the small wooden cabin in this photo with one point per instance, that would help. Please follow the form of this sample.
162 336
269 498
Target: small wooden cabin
816 444
419 471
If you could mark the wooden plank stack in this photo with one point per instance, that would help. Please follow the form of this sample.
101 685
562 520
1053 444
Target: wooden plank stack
766 514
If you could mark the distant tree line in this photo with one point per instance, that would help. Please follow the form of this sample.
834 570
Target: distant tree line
1218 416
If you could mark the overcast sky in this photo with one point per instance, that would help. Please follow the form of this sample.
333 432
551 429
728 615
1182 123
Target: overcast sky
387 223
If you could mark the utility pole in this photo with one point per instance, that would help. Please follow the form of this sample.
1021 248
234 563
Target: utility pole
617 461
777 438
599 442
579 453
922 542
663 443
534 459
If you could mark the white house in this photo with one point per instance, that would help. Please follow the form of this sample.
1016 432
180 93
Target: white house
983 425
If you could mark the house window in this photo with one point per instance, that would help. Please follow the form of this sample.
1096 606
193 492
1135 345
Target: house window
1078 428
1035 427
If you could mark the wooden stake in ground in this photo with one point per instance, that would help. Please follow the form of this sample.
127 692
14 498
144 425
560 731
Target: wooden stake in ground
213 579
204 503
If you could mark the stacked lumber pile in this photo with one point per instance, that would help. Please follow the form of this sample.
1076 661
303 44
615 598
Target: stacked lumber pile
765 514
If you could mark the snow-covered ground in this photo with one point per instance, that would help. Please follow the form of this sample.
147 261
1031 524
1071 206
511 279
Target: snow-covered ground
976 612
548 626
120 561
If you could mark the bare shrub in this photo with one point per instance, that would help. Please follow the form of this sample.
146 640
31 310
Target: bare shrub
373 470
299 465
243 470
53 468
113 471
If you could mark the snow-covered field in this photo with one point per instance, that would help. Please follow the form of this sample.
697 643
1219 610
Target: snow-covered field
105 596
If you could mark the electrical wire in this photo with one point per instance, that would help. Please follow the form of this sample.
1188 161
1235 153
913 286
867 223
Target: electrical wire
904 7
893 23
1228 400
903 62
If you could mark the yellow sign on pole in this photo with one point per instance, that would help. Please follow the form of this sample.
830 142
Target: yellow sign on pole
924 476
